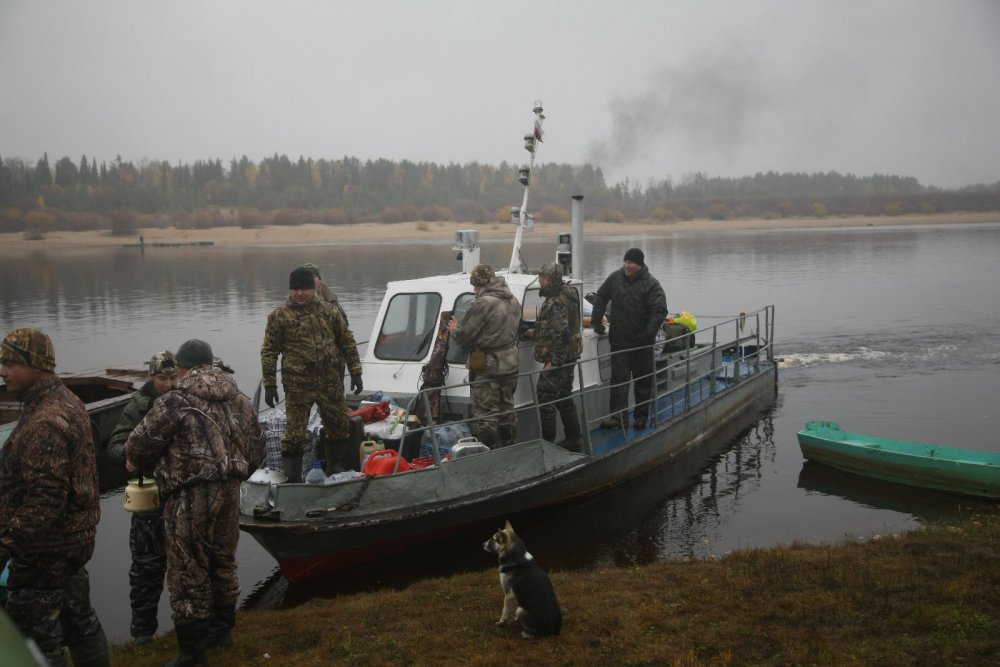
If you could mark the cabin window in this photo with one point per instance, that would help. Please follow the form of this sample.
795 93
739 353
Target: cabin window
531 305
409 326
456 353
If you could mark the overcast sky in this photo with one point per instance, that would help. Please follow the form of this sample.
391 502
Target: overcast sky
646 90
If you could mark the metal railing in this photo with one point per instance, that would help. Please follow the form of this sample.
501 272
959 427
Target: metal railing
732 352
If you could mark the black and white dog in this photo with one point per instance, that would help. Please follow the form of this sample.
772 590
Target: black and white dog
525 586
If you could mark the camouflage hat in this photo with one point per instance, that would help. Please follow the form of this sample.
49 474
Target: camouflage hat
312 268
163 363
30 347
553 270
482 275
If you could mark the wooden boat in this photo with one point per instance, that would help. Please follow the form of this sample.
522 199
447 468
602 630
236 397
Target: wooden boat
723 380
105 393
965 472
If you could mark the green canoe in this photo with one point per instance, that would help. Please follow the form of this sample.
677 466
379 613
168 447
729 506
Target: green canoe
963 471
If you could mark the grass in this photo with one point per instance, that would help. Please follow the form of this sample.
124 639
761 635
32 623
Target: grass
928 597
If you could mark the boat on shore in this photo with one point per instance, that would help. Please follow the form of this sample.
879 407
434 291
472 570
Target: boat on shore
105 393
705 383
965 472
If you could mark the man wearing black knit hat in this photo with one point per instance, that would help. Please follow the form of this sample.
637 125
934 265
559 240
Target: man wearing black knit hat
313 340
638 310
202 439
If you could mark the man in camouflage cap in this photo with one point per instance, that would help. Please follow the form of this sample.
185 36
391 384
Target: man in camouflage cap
313 340
488 330
558 344
49 506
146 538
202 438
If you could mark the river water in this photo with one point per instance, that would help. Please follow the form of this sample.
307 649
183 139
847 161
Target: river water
891 331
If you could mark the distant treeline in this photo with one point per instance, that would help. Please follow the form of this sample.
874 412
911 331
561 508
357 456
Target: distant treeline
122 196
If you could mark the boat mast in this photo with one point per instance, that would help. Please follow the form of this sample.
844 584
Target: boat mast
519 216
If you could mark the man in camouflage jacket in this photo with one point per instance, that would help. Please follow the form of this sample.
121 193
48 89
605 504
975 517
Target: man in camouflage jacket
327 295
312 338
49 506
558 344
202 438
145 539
638 310
489 331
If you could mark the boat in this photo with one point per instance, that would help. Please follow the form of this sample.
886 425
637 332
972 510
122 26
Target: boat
965 472
716 379
105 393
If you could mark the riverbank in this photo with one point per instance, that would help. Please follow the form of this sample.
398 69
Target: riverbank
926 597
372 232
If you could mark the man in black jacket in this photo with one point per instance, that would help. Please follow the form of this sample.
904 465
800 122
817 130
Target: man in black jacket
638 310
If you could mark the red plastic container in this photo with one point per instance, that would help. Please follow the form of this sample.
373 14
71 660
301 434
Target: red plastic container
384 463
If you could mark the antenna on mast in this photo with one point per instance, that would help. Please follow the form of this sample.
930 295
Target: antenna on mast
519 216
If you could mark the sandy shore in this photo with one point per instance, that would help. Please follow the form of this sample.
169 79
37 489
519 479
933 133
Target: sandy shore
313 234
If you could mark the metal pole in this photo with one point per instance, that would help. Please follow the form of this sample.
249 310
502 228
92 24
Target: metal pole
576 237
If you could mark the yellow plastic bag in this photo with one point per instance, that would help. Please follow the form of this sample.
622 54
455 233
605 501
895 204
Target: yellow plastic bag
686 319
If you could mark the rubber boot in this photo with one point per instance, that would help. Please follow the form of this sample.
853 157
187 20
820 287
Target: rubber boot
549 427
328 453
191 638
292 466
91 651
57 659
341 456
506 435
571 426
488 438
220 627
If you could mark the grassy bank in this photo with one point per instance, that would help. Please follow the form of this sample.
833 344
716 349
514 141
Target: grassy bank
924 598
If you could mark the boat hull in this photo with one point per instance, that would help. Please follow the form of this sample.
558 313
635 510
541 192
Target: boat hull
304 549
949 469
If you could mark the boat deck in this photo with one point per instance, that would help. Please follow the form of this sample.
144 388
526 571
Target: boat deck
673 403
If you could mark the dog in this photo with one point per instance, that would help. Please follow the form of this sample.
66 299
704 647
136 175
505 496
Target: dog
526 587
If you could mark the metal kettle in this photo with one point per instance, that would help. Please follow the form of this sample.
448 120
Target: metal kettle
141 495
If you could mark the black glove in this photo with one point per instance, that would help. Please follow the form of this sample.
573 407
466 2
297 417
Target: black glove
270 396
356 384
599 329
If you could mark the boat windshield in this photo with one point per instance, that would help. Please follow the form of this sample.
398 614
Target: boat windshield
408 327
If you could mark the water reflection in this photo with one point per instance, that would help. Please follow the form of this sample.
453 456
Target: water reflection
926 505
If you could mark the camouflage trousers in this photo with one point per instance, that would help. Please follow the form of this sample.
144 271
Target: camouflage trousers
489 396
50 600
555 384
332 408
637 365
202 528
149 565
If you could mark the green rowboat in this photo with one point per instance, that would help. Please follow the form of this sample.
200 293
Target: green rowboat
963 471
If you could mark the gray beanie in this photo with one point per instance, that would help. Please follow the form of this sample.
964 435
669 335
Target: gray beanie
194 353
